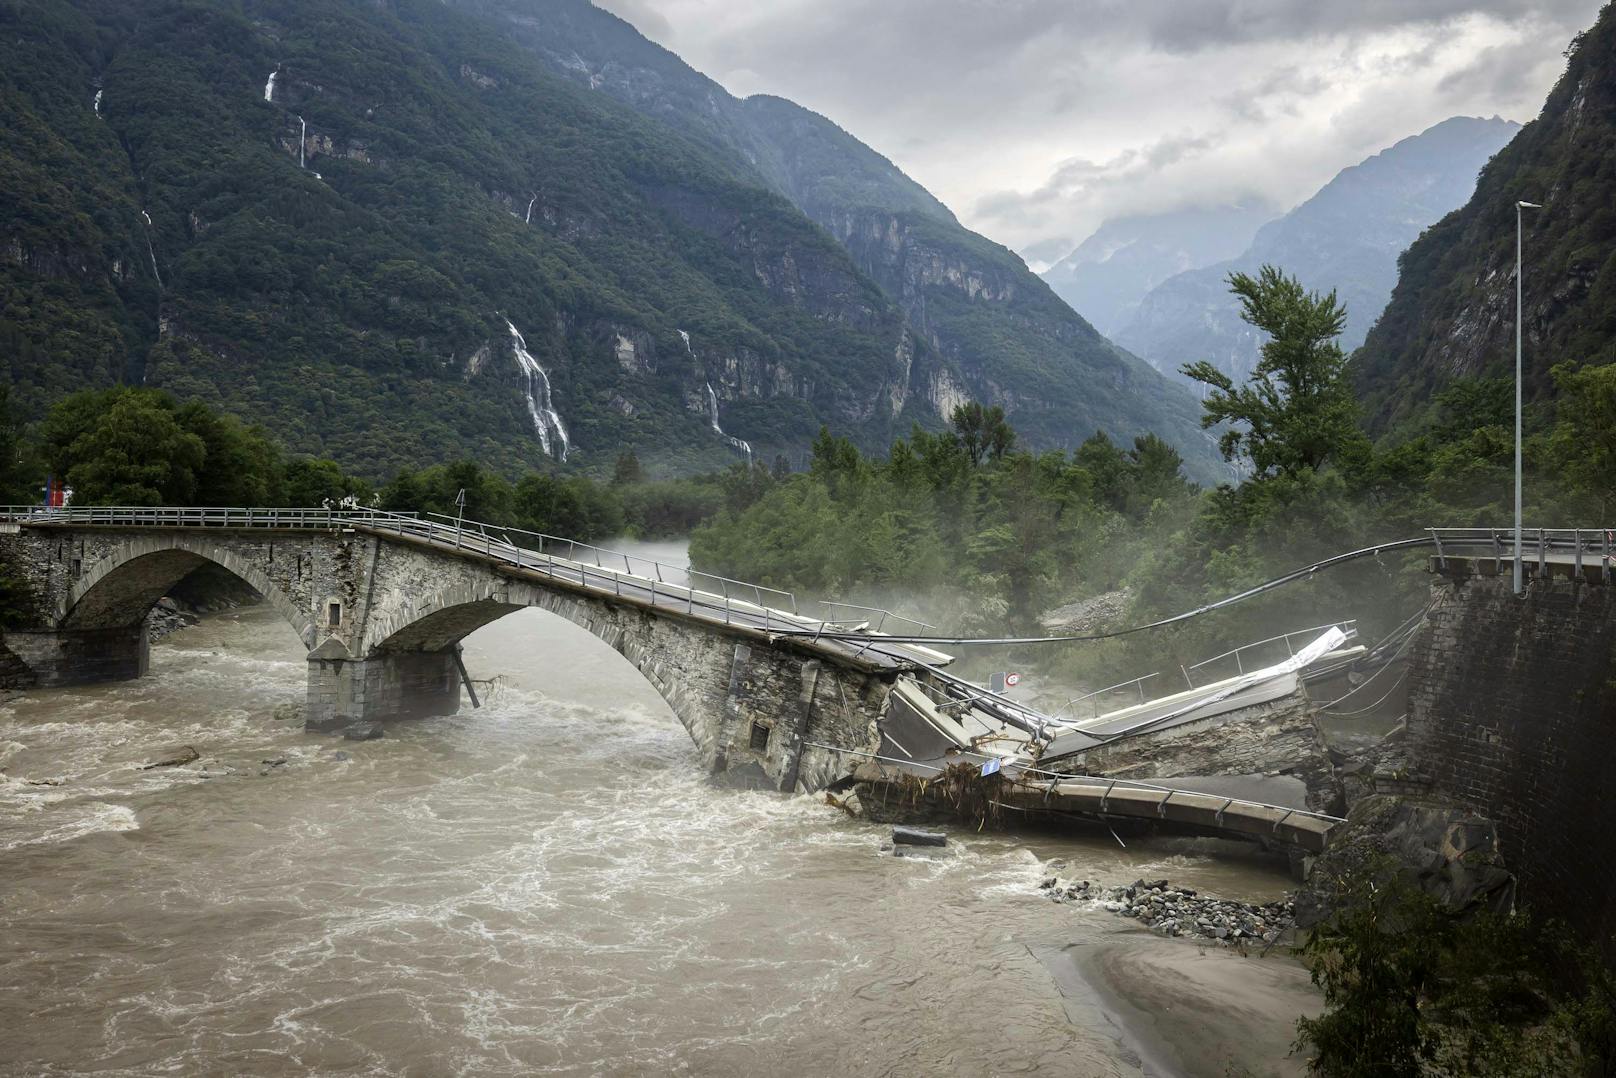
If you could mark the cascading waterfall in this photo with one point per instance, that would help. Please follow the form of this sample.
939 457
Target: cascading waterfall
712 416
96 104
269 87
529 218
150 250
546 420
302 140
712 408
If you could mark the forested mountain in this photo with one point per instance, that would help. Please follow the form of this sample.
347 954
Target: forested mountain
1346 237
1453 312
1107 275
391 233
1001 335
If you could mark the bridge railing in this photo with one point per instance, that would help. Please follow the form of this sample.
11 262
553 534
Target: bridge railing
830 615
194 516
665 585
1238 658
1538 545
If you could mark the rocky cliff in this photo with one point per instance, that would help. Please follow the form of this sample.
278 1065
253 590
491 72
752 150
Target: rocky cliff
1453 312
997 331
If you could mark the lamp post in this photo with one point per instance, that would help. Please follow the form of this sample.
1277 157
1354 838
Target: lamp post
1519 206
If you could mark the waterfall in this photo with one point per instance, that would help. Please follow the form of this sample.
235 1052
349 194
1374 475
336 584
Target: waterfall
529 218
150 250
545 418
302 140
269 87
712 408
712 417
96 104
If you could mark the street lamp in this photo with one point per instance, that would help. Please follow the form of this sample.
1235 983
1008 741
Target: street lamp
1519 206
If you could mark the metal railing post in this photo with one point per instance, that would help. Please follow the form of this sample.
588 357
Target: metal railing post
1542 557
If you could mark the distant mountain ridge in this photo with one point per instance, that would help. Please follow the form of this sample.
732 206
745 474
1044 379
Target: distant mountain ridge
1347 237
1107 275
1452 314
1003 335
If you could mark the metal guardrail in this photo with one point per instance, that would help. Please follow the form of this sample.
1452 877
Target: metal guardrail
667 573
739 602
1537 544
1095 698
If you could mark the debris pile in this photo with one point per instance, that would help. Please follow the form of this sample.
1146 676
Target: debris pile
1180 911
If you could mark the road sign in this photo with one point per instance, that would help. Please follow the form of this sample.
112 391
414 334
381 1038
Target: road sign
996 681
1012 679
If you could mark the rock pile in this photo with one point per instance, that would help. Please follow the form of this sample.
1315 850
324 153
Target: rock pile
167 617
1087 615
1179 911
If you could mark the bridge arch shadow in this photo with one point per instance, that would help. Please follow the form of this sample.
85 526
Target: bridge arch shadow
119 590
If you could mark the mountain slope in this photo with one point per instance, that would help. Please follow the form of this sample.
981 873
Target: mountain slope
1453 311
979 308
337 253
1107 274
1346 237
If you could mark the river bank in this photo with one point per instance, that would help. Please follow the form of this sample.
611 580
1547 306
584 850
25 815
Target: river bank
544 885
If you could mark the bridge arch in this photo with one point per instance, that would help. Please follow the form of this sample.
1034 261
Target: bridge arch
441 620
745 703
121 587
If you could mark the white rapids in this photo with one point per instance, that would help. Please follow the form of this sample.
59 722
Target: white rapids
545 885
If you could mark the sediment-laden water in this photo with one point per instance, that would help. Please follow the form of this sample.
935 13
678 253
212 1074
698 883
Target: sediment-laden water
548 885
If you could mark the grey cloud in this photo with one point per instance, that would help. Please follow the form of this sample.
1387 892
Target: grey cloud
1036 118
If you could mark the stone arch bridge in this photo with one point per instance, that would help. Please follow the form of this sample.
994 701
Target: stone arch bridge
383 600
773 698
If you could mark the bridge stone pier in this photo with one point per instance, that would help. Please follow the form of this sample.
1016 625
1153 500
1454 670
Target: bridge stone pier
382 616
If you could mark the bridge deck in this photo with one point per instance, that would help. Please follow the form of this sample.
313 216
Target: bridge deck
496 548
922 740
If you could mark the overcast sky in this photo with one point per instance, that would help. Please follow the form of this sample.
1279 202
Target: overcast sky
1035 120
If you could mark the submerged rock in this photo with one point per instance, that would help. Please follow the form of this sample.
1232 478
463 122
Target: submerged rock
363 731
184 754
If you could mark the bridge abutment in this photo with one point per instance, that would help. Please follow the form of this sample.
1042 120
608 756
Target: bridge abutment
58 658
383 686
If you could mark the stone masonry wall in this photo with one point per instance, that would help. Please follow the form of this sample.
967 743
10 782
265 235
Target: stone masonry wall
1513 716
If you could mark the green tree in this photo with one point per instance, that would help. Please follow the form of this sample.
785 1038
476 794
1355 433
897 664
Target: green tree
123 446
1297 410
627 469
310 482
982 432
1583 442
241 465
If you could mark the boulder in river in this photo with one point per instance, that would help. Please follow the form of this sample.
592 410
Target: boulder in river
363 731
914 836
174 757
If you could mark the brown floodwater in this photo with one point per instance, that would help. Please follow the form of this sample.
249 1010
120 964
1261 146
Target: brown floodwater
547 885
